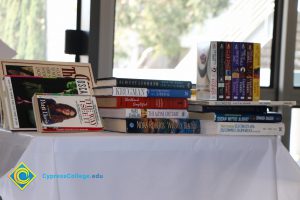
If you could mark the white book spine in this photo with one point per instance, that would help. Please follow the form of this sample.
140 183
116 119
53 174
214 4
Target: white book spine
12 104
239 128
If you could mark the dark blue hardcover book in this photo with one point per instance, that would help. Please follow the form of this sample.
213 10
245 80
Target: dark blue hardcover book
156 125
270 117
143 83
229 109
235 71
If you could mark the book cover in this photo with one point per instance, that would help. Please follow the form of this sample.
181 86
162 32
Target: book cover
242 70
63 113
47 69
141 92
143 113
269 117
207 71
221 70
249 71
155 125
142 83
241 128
18 91
235 71
256 72
142 102
228 66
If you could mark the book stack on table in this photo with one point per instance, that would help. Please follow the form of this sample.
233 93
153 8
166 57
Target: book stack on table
145 105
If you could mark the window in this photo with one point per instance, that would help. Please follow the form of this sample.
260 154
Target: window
156 39
36 28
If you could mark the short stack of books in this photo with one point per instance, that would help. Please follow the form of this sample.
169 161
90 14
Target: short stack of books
65 104
145 105
228 71
238 117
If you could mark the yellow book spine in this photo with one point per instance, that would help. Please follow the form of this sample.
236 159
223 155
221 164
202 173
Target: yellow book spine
256 72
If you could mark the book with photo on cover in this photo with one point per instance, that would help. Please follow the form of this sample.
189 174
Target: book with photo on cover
63 113
17 95
47 69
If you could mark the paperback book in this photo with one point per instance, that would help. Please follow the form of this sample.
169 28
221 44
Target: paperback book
241 128
155 125
64 113
243 103
142 83
17 93
143 113
47 69
142 102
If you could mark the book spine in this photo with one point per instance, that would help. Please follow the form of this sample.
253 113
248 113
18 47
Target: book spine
157 84
228 64
241 128
148 102
213 86
263 118
220 70
10 102
236 109
235 71
168 93
242 70
256 72
164 125
143 113
126 91
249 72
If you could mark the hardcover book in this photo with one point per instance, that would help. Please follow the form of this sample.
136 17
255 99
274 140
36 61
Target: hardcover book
64 113
141 92
155 125
142 102
47 69
269 117
241 128
18 91
143 113
262 109
142 83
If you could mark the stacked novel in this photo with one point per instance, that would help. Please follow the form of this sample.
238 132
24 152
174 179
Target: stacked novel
145 105
21 80
228 71
238 117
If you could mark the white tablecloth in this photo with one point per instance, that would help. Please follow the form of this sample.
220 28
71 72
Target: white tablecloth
149 167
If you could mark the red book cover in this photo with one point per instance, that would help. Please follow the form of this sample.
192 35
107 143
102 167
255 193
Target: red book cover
141 102
228 64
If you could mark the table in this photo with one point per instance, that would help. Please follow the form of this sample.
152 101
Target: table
113 166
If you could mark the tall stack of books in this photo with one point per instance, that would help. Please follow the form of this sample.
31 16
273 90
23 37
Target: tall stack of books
145 105
64 104
228 71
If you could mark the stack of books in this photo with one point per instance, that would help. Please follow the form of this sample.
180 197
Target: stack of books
64 104
145 105
238 117
228 71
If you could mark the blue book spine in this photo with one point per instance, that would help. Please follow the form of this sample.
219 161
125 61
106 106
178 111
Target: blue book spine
263 118
168 93
235 70
162 125
242 69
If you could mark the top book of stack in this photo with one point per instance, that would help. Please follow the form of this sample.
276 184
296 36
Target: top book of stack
143 83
